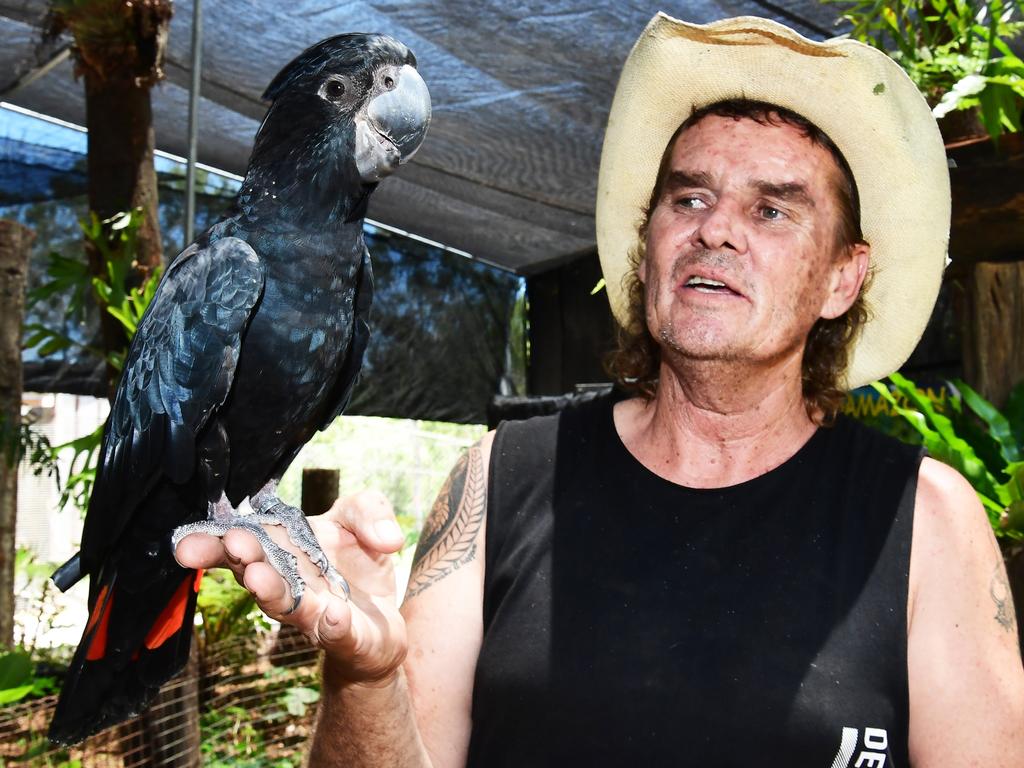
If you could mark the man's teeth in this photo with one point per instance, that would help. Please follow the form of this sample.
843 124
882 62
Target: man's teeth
698 281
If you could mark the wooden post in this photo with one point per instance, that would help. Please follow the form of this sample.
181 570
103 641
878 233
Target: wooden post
993 338
15 240
319 489
986 242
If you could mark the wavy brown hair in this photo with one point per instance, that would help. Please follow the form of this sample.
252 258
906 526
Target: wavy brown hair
635 362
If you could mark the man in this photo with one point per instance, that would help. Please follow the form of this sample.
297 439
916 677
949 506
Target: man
707 573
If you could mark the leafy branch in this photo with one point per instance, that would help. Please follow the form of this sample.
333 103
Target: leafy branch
115 240
984 444
957 52
19 440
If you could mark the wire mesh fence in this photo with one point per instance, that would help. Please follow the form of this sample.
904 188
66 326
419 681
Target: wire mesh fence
248 702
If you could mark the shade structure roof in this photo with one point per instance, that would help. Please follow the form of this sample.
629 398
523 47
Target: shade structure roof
520 92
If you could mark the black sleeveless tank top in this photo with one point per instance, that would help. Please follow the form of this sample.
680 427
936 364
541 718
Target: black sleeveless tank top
629 621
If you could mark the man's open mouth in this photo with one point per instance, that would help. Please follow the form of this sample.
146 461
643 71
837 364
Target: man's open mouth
708 285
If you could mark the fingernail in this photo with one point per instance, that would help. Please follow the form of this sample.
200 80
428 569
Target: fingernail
331 617
387 530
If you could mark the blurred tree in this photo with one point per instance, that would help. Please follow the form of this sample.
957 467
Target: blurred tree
14 246
119 52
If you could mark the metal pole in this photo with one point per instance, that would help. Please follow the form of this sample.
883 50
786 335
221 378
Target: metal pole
193 121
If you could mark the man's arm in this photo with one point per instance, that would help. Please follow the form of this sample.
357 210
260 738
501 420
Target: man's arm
443 609
965 672
420 714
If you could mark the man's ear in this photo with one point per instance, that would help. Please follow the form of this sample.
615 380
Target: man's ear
641 270
847 278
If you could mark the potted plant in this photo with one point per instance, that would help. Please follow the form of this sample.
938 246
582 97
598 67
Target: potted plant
958 54
961 55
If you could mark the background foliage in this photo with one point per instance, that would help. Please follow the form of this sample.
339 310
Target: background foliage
957 52
970 434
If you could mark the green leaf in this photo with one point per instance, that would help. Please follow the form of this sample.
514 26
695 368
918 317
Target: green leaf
1015 484
10 695
998 425
56 343
87 442
103 291
298 698
35 339
943 442
15 670
125 318
1014 412
990 113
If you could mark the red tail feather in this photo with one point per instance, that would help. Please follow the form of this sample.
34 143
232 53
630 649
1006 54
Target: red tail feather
171 617
101 614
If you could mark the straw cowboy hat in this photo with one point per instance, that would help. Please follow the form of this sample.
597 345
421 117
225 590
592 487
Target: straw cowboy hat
856 94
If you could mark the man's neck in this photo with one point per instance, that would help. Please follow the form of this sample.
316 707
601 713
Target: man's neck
715 424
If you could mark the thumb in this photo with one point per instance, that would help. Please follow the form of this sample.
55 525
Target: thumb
368 515
388 534
334 623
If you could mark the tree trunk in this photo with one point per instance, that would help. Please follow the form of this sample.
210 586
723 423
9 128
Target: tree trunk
993 338
119 53
121 177
14 249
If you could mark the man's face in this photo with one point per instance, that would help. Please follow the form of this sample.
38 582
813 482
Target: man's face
753 207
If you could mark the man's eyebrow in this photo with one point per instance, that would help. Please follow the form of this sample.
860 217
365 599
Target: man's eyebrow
683 179
793 192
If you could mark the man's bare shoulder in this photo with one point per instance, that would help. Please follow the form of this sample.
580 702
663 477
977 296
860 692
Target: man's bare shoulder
954 544
965 674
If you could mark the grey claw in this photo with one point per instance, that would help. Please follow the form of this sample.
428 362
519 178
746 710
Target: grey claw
336 580
295 606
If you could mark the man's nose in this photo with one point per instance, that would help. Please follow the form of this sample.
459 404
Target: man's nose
722 227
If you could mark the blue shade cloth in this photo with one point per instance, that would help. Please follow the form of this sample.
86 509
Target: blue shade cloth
520 95
441 321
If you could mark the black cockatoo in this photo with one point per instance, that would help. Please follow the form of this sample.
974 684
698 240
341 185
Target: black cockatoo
252 343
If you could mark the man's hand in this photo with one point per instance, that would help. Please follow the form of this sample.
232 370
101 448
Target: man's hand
364 638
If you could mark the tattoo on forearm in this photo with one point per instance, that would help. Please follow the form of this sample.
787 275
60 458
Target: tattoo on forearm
448 540
999 589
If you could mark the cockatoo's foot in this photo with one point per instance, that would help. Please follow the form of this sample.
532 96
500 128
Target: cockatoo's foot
269 510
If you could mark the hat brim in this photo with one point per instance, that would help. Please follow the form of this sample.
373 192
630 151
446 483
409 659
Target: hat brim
856 94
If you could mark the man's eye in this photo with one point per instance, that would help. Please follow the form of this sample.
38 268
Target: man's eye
771 214
690 201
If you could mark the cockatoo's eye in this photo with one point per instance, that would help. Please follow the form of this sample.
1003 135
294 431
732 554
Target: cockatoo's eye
334 89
